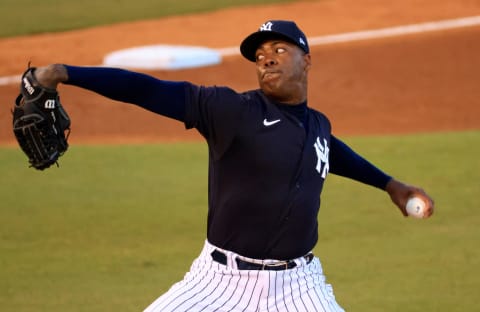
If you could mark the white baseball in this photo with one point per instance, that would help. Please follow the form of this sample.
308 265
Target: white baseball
416 207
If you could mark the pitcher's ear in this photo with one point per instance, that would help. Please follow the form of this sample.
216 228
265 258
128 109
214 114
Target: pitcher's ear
308 61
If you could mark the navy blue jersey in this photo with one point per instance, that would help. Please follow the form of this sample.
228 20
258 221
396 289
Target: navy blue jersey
266 172
267 161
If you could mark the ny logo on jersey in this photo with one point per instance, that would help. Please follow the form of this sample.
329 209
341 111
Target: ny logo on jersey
266 27
322 157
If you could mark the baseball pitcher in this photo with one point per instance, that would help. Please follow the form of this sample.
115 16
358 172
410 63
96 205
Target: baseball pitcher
269 156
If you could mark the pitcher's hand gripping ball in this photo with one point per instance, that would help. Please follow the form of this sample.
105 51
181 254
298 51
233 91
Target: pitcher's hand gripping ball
40 124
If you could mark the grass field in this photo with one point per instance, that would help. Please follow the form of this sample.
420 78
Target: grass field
32 17
114 227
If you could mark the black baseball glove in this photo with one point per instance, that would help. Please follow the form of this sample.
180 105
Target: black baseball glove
40 124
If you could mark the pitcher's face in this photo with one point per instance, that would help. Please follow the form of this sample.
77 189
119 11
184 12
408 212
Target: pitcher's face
282 69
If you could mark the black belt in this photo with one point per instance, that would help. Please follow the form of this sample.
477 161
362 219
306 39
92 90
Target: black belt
221 258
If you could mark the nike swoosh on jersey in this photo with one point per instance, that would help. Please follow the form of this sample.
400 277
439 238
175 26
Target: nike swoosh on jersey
268 123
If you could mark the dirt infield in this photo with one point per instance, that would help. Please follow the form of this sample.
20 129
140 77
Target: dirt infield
426 82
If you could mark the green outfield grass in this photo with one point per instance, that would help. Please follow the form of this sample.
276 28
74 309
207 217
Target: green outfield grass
23 17
115 226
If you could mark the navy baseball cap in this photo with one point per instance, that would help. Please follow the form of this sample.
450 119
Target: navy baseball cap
286 30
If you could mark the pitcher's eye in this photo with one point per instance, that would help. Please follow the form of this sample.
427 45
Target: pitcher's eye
260 57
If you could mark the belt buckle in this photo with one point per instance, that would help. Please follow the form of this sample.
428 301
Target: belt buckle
275 266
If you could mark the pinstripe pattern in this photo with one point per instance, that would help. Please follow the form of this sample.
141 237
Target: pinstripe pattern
210 286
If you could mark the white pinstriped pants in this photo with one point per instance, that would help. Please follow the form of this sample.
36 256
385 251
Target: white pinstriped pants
210 286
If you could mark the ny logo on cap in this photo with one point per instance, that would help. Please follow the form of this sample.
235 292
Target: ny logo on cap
301 41
266 27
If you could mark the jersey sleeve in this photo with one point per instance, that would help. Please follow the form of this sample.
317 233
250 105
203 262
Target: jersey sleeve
216 112
347 163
